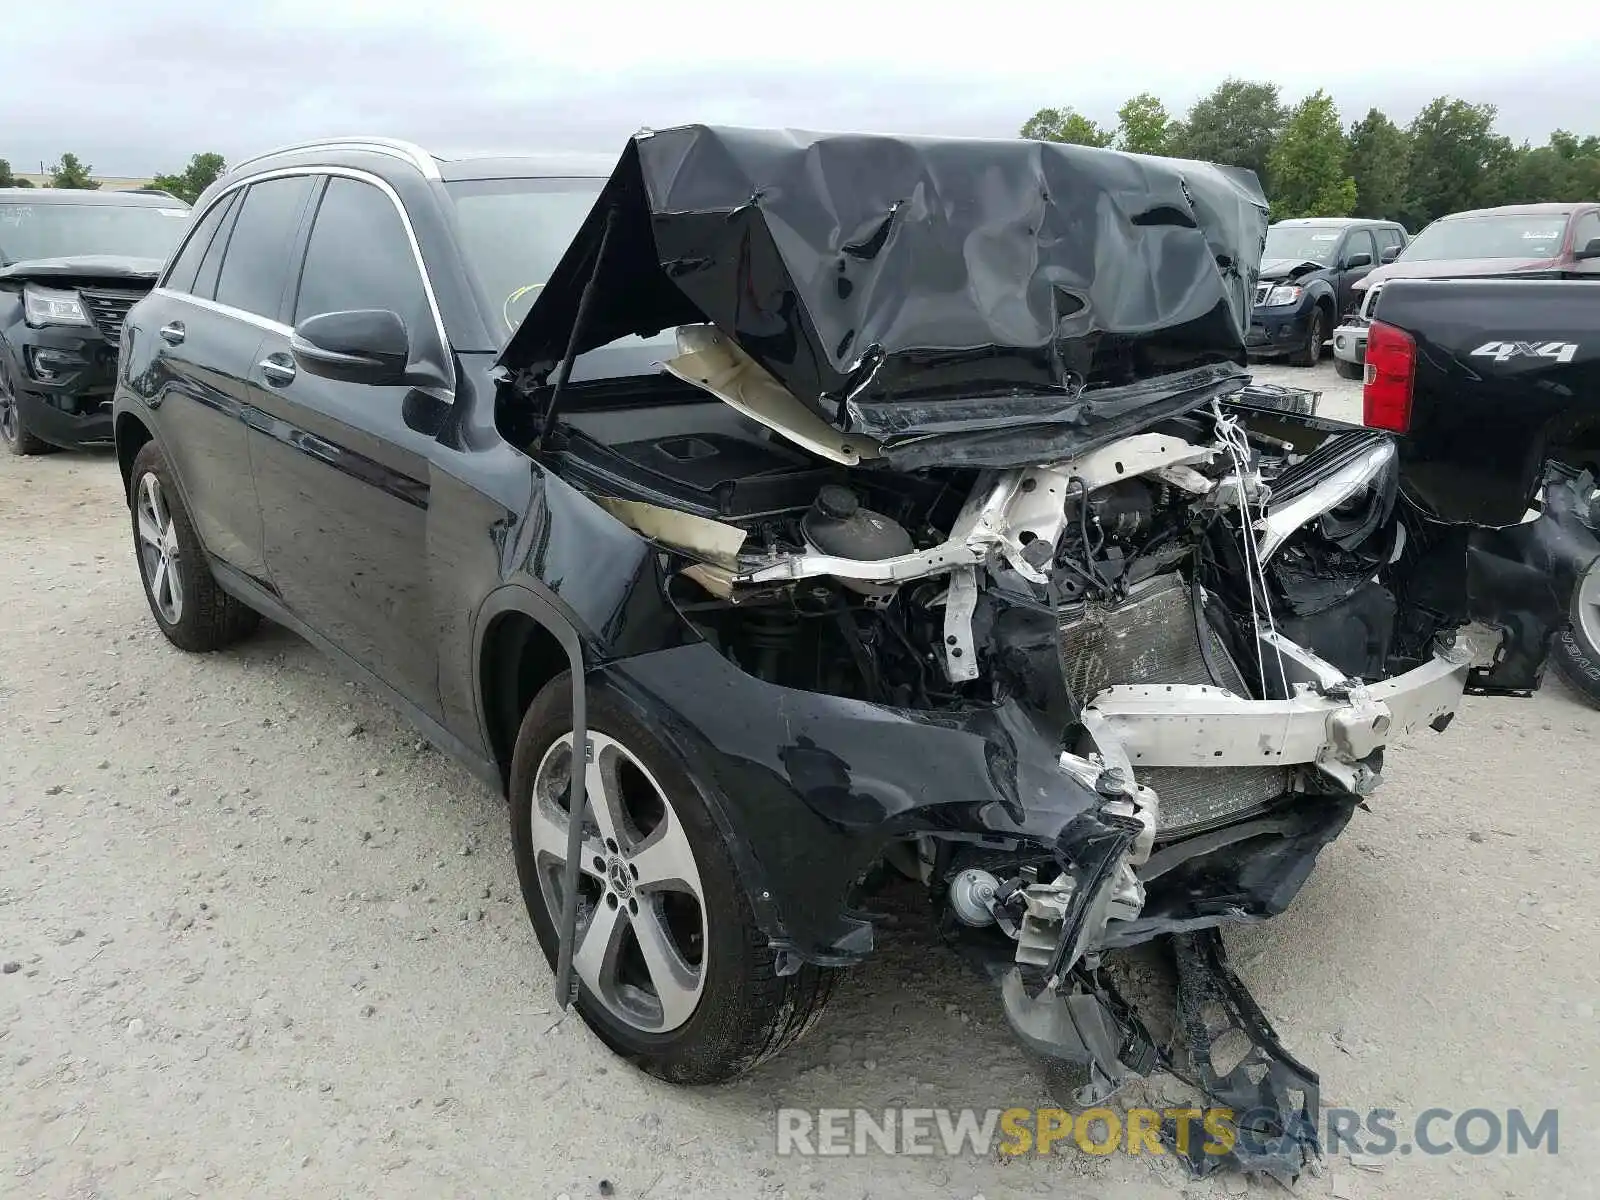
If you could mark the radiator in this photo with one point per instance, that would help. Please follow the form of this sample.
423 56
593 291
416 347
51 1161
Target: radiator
1151 637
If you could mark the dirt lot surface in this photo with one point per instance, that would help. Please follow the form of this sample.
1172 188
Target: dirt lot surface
260 941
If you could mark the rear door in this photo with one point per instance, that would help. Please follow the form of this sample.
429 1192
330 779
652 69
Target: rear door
197 355
342 469
1357 242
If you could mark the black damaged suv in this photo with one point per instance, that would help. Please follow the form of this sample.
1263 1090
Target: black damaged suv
71 265
774 515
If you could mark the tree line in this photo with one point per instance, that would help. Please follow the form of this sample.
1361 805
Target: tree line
72 172
1448 158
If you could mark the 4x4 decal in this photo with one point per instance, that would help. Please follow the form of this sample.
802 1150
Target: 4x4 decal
1561 352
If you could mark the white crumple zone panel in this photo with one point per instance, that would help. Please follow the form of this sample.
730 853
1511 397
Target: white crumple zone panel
708 360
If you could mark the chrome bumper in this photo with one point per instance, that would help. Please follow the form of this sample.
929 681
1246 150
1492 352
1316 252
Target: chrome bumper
1350 342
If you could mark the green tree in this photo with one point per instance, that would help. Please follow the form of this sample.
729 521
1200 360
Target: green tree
200 174
1065 125
1143 126
1307 165
1457 160
7 179
70 173
1379 162
1237 124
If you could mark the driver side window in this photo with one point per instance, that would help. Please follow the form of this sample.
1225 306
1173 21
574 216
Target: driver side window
1585 230
359 256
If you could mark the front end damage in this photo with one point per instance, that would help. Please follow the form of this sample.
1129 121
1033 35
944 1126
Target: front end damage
1012 586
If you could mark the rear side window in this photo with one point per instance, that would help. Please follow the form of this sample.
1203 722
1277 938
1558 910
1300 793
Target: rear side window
1389 236
187 265
257 264
1359 242
359 256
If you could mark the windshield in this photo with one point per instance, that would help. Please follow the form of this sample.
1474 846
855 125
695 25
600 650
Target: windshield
1489 237
1302 243
55 230
514 232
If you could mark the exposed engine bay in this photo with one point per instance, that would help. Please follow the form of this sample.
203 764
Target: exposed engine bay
1202 616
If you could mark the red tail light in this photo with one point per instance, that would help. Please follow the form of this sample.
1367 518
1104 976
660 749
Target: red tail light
1391 370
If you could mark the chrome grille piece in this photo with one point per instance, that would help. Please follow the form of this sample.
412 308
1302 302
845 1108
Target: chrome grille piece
1151 638
108 310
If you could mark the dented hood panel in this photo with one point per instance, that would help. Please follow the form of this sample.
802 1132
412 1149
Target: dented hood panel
880 278
86 269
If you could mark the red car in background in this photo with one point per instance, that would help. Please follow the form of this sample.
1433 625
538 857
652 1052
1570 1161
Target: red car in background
1559 240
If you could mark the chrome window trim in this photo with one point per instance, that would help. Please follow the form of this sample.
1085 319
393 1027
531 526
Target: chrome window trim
312 171
227 310
393 147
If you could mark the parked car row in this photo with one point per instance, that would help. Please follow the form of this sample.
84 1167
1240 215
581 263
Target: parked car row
1543 241
762 536
1320 275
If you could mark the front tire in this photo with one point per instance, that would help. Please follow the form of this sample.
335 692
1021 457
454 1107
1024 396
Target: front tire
1349 370
185 600
1577 649
14 435
674 974
1310 354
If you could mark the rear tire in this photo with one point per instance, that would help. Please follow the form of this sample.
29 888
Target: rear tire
194 613
1577 649
1310 354
711 1005
1349 370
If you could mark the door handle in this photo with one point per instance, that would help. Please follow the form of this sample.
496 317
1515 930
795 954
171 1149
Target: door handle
278 370
172 333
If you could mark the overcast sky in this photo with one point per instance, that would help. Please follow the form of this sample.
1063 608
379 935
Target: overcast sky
135 88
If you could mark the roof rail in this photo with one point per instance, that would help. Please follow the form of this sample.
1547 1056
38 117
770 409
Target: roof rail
405 151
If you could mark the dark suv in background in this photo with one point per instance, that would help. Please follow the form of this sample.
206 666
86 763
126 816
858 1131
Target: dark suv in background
72 263
1309 271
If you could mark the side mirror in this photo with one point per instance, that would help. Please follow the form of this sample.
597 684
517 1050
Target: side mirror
1357 260
1591 250
367 345
1390 253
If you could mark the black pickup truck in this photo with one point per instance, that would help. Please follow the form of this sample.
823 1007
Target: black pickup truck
1495 385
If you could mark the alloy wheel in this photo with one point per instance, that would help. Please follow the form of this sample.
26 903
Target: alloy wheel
1587 612
10 420
641 938
158 548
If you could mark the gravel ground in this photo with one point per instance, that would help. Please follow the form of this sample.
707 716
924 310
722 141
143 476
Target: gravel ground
259 940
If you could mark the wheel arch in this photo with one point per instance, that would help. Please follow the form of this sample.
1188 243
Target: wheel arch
131 435
522 643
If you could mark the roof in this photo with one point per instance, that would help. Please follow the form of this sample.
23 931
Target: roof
525 166
1332 222
1548 209
85 196
482 165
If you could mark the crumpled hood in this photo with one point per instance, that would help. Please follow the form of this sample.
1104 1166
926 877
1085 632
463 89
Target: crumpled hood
86 269
1454 268
880 279
1273 269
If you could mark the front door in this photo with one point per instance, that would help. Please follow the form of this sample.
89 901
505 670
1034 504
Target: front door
343 469
1352 270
